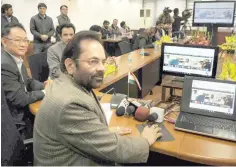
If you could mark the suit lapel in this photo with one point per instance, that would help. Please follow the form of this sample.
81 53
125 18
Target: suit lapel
14 65
90 98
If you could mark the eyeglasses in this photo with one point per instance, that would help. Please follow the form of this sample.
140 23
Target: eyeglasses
19 41
95 62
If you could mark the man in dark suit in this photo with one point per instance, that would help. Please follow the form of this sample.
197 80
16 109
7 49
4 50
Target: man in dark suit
12 145
20 90
7 16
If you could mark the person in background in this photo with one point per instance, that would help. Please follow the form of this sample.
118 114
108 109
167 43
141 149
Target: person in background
61 19
42 28
106 30
114 28
7 16
160 31
124 28
96 28
166 19
12 146
20 90
145 39
177 22
71 128
66 33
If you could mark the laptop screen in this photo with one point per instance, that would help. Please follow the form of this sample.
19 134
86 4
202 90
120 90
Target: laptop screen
210 97
213 96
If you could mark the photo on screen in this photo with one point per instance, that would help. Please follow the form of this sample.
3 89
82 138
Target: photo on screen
213 97
188 60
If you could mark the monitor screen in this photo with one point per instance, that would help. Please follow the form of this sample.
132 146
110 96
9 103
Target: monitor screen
213 97
208 96
183 60
221 13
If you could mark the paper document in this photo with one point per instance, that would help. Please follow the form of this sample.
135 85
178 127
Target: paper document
107 110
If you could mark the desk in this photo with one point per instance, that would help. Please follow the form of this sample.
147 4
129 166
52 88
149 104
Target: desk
186 146
143 68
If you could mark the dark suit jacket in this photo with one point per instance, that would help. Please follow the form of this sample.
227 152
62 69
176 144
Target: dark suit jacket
13 86
5 21
12 146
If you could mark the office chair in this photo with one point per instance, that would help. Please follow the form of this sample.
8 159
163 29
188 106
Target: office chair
125 47
141 30
39 67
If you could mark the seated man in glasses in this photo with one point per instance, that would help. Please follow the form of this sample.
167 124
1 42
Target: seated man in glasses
70 127
19 88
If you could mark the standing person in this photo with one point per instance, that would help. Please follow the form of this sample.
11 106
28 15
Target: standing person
106 30
20 90
42 28
61 19
7 16
166 19
66 33
114 28
71 128
177 22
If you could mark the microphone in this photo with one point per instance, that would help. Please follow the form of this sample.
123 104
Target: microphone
121 109
100 97
133 107
152 117
141 113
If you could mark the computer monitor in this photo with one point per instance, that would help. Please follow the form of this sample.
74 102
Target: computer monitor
181 60
216 13
210 97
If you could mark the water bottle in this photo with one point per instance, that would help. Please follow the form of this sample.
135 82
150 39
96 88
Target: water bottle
142 53
114 36
155 48
107 36
130 59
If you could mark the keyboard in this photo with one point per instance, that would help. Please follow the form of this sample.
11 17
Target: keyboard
209 122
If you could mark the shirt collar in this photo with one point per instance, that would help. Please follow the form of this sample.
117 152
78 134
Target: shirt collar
65 17
42 17
16 59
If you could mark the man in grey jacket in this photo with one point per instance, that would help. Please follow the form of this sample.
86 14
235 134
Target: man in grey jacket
42 28
66 33
19 88
70 127
7 16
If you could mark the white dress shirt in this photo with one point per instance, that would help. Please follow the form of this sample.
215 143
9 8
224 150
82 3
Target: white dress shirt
19 62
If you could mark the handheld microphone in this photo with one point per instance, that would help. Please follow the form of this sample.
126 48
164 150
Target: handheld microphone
133 107
100 97
152 117
141 113
121 109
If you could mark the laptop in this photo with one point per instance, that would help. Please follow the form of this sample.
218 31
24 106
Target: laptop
208 107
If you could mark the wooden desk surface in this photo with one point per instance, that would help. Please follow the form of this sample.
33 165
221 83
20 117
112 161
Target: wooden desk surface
124 67
186 146
207 150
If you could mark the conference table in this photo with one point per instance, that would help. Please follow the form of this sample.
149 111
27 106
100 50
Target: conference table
185 146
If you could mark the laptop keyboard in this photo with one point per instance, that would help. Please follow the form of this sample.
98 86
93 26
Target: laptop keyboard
199 120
